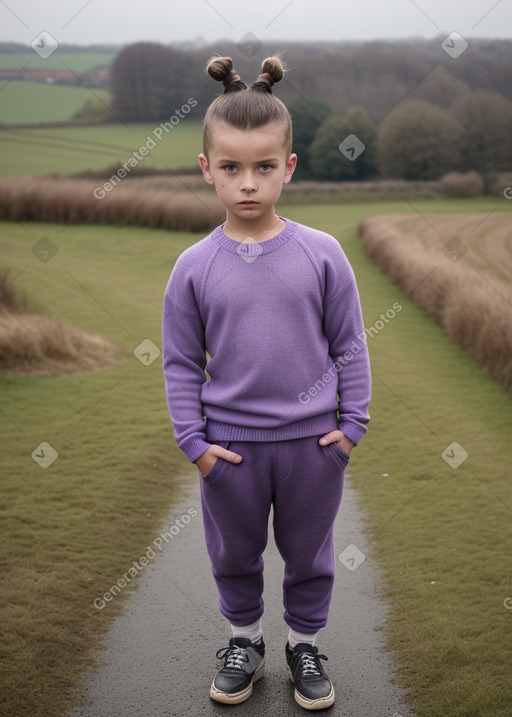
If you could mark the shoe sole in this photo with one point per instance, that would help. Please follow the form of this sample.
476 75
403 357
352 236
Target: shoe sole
319 704
237 697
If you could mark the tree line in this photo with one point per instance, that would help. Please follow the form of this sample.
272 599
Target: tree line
416 140
418 112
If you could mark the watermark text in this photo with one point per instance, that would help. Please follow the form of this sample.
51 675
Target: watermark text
138 565
157 135
355 348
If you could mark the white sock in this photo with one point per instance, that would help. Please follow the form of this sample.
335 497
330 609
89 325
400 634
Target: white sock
295 637
253 632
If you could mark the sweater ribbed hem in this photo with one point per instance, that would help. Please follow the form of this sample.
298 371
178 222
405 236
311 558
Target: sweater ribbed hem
194 447
315 426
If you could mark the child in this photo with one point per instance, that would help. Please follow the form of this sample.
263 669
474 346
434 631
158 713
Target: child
275 305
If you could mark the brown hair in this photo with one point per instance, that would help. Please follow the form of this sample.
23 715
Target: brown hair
243 107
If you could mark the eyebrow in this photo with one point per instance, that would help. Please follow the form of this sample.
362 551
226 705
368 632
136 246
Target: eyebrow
259 161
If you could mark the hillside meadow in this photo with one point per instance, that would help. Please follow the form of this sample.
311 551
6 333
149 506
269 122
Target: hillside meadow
34 102
433 472
69 150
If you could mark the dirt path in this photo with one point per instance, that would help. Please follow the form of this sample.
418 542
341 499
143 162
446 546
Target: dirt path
159 656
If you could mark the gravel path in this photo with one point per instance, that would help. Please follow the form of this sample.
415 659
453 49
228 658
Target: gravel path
159 656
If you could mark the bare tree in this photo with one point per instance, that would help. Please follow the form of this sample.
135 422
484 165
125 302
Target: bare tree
150 81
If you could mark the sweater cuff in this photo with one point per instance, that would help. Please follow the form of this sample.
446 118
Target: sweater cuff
194 448
353 431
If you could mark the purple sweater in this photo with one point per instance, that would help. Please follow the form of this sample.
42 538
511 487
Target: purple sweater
281 322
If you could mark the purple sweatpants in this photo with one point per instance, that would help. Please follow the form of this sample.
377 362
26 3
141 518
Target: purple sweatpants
303 481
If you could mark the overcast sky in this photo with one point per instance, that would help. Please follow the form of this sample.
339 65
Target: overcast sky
123 21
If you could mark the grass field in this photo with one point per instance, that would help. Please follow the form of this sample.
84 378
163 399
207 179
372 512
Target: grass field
442 534
468 259
77 61
75 149
33 102
484 240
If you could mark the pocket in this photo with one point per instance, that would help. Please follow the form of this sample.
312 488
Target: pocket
213 471
218 465
339 454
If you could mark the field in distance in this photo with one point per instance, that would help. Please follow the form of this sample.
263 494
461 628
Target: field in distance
25 102
77 149
77 61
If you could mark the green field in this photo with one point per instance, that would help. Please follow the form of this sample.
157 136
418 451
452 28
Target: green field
442 535
77 61
27 102
75 149
34 102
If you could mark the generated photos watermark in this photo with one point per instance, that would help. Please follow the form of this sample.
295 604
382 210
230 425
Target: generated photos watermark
352 147
454 455
454 45
138 566
44 455
44 44
355 348
147 352
157 135
44 250
249 45
455 249
249 249
352 557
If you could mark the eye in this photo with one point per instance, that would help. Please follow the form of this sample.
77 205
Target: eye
266 167
230 168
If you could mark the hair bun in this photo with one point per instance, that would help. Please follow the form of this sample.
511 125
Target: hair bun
221 69
271 72
273 67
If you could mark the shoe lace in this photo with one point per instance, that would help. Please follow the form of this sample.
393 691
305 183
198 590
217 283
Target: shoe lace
233 656
309 664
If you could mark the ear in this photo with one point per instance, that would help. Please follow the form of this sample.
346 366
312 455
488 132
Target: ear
205 169
290 168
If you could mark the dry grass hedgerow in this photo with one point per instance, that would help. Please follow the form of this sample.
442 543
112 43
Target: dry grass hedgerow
46 346
139 202
459 273
456 185
36 345
10 299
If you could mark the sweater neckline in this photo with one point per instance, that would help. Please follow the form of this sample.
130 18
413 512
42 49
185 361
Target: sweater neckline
254 248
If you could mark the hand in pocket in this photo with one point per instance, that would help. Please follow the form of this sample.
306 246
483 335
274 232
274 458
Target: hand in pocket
209 458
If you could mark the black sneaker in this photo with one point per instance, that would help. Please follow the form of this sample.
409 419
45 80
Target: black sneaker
313 689
244 664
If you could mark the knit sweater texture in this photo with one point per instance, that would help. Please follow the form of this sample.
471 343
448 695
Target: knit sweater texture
264 341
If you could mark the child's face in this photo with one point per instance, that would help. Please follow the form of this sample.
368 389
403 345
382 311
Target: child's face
248 169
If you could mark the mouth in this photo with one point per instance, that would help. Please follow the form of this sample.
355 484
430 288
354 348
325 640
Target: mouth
248 203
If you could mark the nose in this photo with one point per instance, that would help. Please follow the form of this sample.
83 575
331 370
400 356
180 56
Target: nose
248 182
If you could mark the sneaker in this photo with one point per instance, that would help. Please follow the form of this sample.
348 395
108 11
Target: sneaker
313 689
244 664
